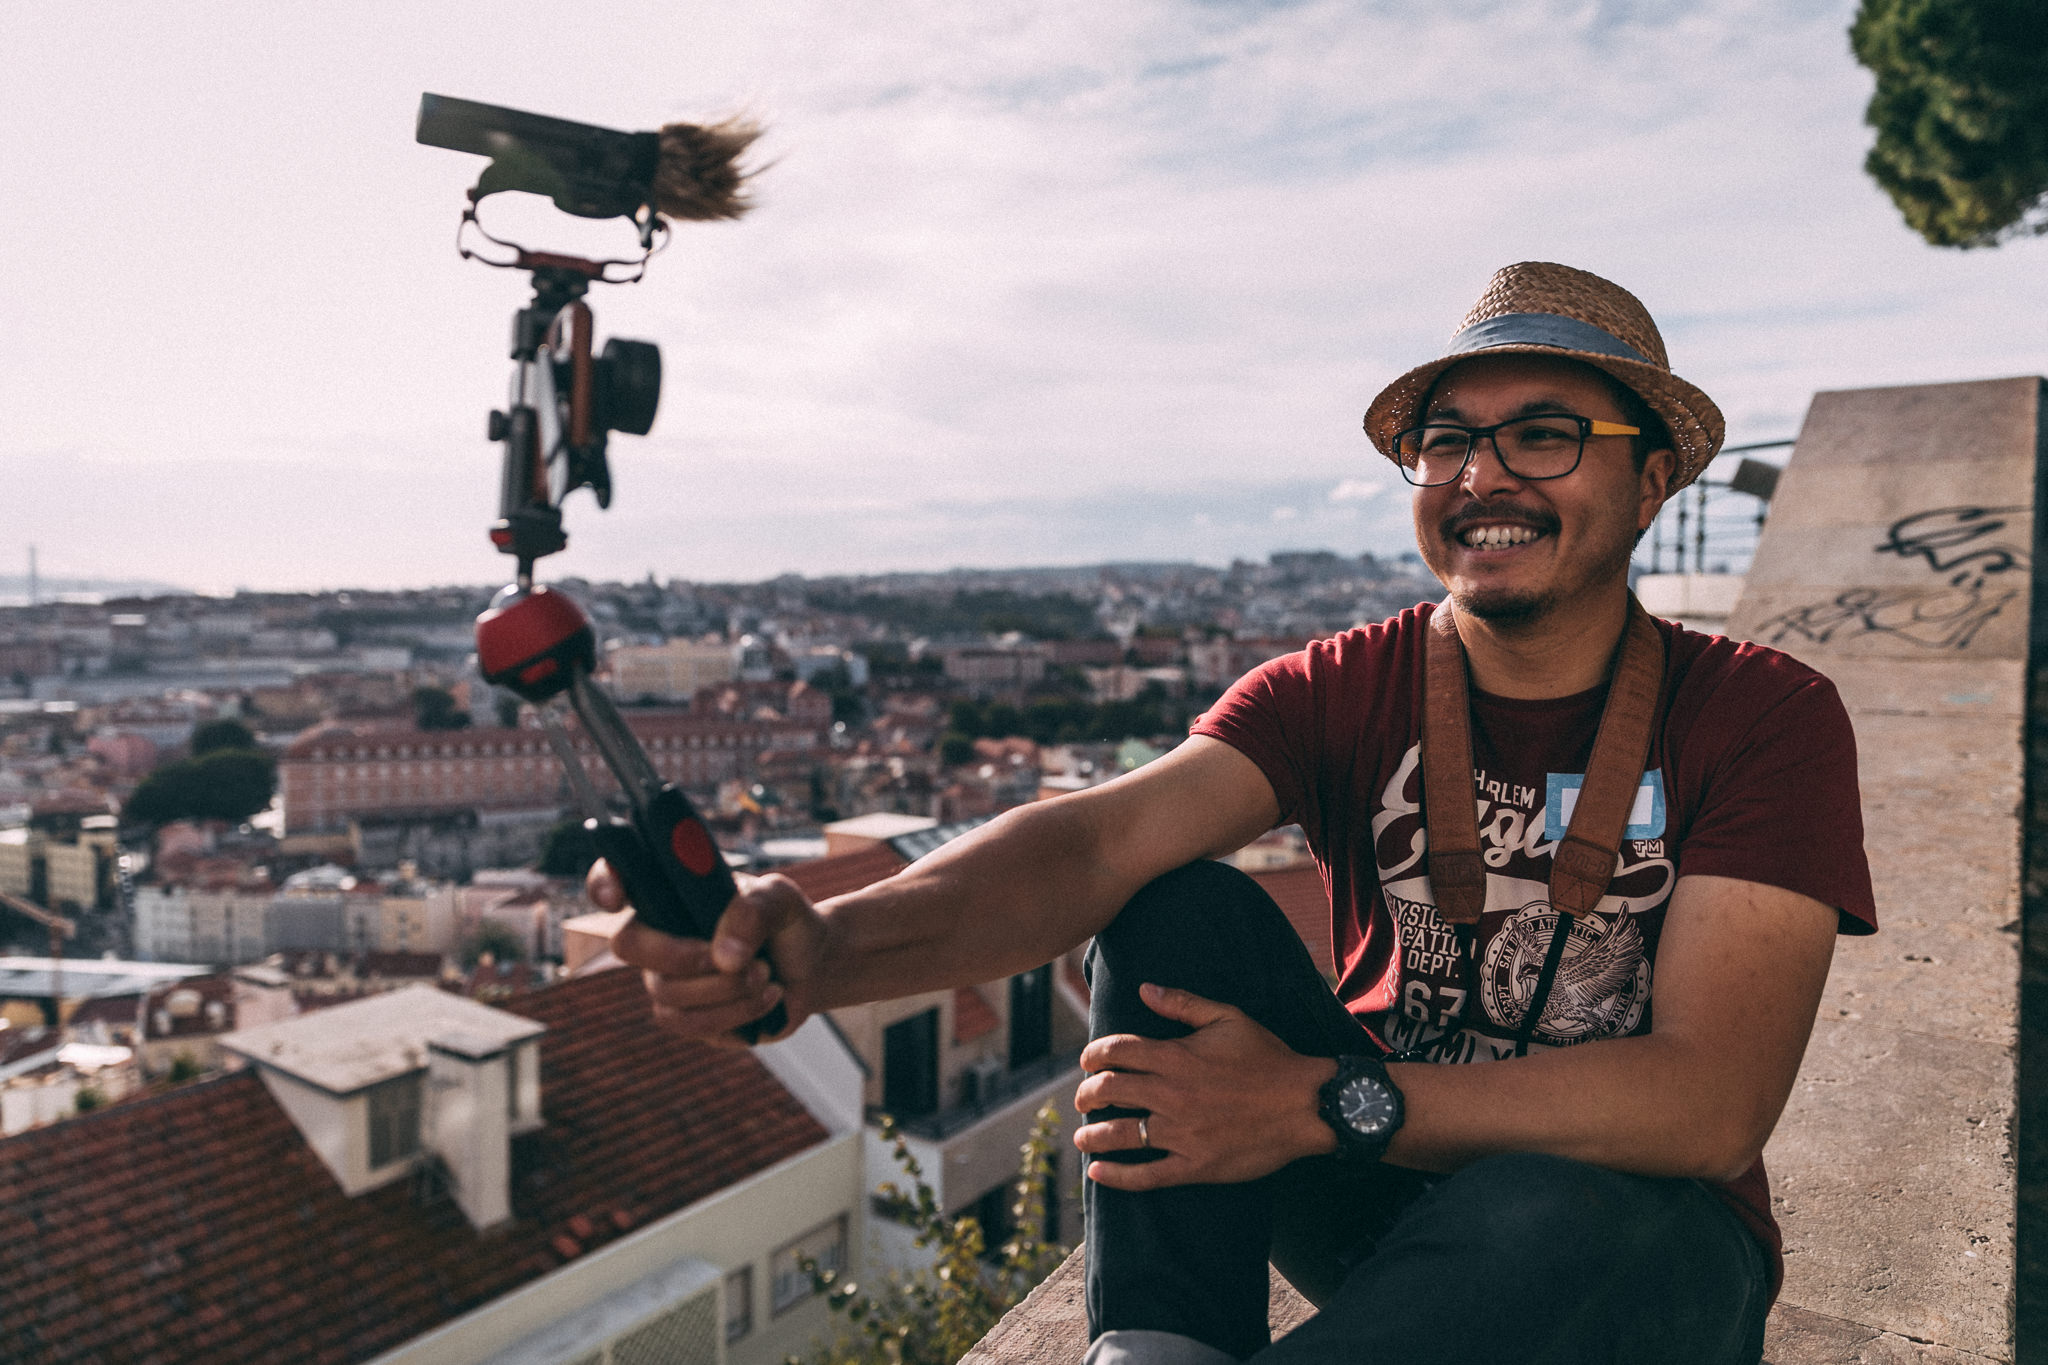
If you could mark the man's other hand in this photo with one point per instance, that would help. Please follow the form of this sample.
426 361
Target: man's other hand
705 990
1230 1102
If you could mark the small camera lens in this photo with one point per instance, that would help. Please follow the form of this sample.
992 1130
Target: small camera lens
628 385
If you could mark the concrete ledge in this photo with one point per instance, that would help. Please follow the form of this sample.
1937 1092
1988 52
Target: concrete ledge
1052 1324
1051 1328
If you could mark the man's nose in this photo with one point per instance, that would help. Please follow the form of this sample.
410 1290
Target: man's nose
1485 473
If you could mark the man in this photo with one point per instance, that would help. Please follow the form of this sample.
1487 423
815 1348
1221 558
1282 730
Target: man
1594 1191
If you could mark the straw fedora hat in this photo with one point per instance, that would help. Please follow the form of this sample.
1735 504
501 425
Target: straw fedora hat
1538 308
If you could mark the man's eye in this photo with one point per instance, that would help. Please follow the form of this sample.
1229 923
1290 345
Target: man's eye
1438 440
1545 433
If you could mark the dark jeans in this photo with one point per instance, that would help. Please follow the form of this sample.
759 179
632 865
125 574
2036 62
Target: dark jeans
1520 1257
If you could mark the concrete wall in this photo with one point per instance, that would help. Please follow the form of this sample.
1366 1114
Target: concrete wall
1901 528
1898 560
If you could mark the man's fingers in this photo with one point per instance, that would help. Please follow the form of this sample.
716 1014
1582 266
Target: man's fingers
1149 1175
764 907
603 887
708 1026
1117 1135
655 951
1124 1052
713 990
1184 1006
1121 1089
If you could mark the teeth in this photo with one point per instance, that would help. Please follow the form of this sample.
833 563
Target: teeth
1495 537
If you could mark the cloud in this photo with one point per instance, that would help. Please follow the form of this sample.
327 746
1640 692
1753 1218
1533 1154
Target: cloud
1050 256
1358 490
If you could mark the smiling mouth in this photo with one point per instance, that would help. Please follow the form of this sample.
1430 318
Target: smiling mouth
1497 536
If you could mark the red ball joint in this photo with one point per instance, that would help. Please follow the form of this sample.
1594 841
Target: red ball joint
532 642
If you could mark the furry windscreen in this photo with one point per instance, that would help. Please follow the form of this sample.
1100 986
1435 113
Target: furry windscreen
699 176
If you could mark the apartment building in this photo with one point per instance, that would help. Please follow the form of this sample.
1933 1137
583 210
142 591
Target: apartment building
245 919
337 772
415 1178
76 870
673 671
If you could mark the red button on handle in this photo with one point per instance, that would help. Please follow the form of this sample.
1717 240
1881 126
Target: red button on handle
693 848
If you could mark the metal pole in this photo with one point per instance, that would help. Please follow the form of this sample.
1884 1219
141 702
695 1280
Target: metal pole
1699 544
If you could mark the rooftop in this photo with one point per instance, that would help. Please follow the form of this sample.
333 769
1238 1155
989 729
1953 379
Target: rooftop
88 977
378 1037
197 1225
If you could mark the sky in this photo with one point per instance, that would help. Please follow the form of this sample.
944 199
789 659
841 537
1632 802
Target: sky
1028 283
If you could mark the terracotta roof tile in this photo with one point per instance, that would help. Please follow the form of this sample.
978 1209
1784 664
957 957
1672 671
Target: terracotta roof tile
972 1016
197 1225
835 876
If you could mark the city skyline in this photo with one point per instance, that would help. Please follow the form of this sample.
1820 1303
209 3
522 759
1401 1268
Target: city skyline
1027 284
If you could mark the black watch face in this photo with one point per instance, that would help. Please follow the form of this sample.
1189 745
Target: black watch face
1368 1108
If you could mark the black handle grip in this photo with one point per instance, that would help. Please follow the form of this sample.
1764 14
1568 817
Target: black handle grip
676 878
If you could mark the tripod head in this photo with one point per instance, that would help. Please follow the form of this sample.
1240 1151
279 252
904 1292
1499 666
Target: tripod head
566 400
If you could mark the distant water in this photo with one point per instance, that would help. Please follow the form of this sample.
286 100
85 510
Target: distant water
14 589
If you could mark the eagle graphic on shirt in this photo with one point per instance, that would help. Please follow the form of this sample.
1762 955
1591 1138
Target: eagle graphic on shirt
1603 980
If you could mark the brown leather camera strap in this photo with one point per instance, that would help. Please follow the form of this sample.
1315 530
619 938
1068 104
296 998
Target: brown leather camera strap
1585 858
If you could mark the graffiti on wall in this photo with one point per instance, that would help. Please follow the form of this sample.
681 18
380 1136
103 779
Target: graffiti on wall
1971 549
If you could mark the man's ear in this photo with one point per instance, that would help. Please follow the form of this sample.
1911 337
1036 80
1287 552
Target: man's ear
1654 485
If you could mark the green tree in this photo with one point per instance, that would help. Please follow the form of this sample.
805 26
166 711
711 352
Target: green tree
220 784
955 749
1961 113
225 733
494 938
568 850
935 1316
435 708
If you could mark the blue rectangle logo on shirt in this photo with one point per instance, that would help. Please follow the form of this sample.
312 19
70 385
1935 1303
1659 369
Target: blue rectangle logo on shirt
1645 818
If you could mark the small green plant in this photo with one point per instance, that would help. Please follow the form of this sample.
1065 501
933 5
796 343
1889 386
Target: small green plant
184 1067
89 1099
936 1316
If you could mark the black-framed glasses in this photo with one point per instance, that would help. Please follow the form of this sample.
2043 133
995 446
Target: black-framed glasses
1543 447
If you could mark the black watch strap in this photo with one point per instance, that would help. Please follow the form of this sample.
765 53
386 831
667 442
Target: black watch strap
1363 1107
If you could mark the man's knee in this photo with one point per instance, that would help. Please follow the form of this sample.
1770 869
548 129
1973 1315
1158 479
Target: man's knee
1194 928
1188 899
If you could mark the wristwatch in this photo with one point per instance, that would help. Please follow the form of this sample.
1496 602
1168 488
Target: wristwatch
1362 1106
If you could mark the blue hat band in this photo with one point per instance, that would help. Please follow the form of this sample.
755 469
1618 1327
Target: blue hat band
1544 329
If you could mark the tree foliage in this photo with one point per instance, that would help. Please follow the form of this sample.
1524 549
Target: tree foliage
936 1316
1961 113
219 784
568 850
964 611
435 708
225 733
1069 720
494 938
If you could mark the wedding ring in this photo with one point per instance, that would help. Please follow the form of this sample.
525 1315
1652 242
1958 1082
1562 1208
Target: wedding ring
1144 1135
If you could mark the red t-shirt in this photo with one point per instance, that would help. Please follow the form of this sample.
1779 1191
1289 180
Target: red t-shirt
1751 775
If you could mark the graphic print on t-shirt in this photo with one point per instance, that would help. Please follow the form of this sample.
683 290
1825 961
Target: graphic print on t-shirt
1456 1011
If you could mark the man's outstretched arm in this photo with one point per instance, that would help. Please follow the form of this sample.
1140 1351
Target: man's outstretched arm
1739 973
1004 898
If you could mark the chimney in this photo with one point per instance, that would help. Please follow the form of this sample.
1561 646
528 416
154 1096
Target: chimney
470 1097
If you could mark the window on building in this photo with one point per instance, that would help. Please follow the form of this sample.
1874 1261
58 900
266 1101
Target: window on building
394 1120
789 1282
1030 1015
910 1066
739 1303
